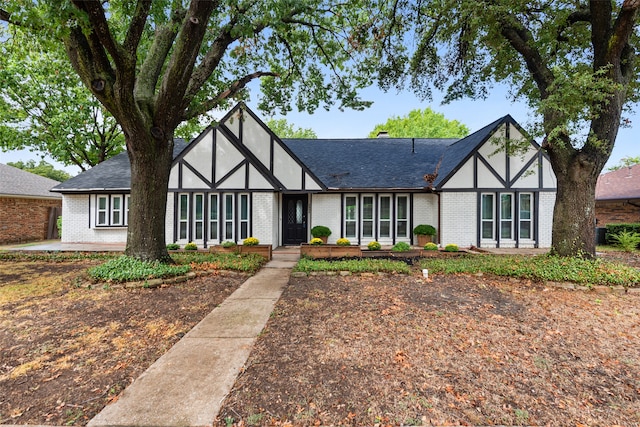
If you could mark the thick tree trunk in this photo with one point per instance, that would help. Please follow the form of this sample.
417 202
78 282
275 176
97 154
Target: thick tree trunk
574 216
150 169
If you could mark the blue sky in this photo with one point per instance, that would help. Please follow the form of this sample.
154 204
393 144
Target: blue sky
357 124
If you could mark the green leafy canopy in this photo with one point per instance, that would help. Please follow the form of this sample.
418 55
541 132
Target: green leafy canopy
421 124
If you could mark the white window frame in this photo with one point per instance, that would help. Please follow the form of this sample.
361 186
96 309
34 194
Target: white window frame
351 217
119 211
198 217
244 215
183 220
385 221
127 203
485 220
529 220
398 219
229 216
107 214
371 220
214 217
504 220
102 210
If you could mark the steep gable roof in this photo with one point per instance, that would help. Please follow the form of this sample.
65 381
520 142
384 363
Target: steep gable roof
20 183
110 175
373 163
458 153
623 183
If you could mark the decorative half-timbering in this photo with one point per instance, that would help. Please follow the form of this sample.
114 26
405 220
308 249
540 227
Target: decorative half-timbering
238 179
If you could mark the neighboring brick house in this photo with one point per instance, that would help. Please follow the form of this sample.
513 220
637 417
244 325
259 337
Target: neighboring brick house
618 197
238 179
28 210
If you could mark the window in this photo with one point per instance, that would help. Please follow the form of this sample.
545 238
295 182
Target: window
111 210
487 216
198 216
213 217
228 216
183 218
103 210
350 216
402 209
506 216
384 211
367 216
525 216
244 216
116 210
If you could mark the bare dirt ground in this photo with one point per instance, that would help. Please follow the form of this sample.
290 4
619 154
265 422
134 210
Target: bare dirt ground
66 350
456 350
345 351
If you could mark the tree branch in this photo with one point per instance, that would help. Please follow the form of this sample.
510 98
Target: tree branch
136 27
100 28
579 15
234 88
623 29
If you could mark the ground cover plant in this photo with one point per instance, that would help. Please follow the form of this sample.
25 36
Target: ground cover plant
458 349
69 346
366 265
541 267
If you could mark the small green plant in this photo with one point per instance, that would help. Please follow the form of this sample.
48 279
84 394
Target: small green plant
59 225
627 240
424 230
228 244
320 231
343 242
126 269
430 247
364 265
250 241
451 247
401 247
173 247
374 246
191 246
316 241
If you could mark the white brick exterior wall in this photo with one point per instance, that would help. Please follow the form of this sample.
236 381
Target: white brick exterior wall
168 219
75 224
325 210
458 219
265 218
425 211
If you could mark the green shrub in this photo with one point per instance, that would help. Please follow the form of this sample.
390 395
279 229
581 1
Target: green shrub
191 246
430 247
249 263
627 240
316 241
374 246
614 229
59 225
424 230
173 246
228 244
320 231
343 242
365 265
451 247
126 269
401 247
250 241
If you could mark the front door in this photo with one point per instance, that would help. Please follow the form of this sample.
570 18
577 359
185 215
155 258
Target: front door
294 218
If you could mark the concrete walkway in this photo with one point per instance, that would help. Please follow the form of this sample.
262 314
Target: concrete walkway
186 386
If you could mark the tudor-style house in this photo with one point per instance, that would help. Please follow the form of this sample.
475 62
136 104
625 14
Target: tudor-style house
238 179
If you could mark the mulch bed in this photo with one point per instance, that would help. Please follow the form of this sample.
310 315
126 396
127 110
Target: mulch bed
457 350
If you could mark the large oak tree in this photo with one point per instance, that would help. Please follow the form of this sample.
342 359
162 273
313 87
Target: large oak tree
575 62
157 64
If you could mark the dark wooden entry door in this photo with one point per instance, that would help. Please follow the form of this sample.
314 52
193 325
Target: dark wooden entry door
294 227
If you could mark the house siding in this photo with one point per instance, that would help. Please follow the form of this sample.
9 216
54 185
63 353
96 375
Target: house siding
458 218
264 218
25 219
425 211
76 227
325 210
617 211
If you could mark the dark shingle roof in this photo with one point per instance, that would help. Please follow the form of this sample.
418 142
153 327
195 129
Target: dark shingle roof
380 163
112 174
16 182
621 184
